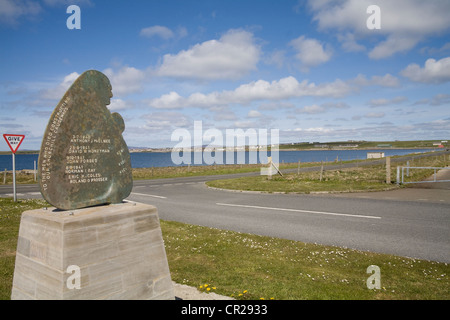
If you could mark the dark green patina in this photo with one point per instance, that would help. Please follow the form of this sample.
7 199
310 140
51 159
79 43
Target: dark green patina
84 160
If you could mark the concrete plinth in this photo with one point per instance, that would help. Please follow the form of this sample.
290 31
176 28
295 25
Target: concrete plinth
105 252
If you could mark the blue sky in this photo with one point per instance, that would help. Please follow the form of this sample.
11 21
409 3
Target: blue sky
312 69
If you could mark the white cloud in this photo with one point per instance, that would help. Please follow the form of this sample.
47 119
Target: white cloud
349 44
314 131
12 10
324 107
57 92
170 100
310 52
432 72
313 109
276 58
166 120
375 115
394 43
126 80
383 132
159 31
54 3
387 80
118 104
404 23
384 102
437 100
254 114
277 90
282 89
232 56
433 50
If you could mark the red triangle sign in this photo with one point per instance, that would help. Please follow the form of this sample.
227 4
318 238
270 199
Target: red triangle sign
14 141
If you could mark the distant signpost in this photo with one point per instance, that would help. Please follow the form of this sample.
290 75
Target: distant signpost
14 141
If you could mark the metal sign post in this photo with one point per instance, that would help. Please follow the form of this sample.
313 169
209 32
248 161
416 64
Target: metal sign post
14 141
14 175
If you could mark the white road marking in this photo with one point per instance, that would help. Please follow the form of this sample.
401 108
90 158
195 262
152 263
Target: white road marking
298 210
148 195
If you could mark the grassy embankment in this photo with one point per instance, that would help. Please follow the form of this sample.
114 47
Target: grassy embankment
253 267
361 178
163 172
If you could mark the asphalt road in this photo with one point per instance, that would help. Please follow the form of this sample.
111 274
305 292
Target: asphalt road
407 222
405 227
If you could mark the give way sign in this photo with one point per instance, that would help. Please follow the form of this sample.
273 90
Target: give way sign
14 141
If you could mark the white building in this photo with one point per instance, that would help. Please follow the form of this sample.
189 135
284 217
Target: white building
375 155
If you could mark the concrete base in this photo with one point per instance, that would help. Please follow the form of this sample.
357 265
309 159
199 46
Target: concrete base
105 252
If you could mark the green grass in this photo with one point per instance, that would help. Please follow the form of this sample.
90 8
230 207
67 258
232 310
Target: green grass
265 267
189 171
253 267
10 213
157 172
362 178
21 178
293 184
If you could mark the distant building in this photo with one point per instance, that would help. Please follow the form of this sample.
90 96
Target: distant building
384 145
375 155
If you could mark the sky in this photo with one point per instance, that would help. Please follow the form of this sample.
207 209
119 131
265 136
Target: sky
317 71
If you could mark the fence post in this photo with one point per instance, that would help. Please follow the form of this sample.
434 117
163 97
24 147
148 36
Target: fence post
398 175
321 171
388 170
403 175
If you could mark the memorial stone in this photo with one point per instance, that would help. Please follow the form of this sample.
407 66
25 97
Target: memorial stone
84 160
115 247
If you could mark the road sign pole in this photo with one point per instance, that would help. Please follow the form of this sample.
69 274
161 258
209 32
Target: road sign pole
14 175
14 141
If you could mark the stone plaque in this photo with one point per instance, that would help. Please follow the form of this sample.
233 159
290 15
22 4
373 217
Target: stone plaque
84 160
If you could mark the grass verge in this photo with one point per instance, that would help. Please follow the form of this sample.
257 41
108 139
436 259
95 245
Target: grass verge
27 177
253 267
362 178
10 213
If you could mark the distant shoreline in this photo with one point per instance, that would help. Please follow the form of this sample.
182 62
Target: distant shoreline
280 149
